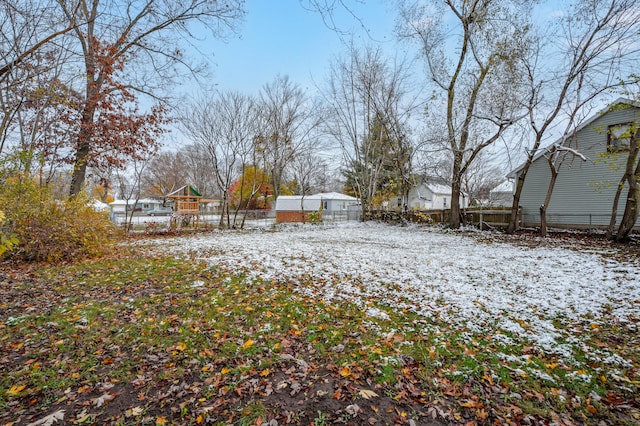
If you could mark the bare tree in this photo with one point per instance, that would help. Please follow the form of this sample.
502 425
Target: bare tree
26 27
594 45
167 171
478 84
369 106
289 120
223 126
31 54
129 184
481 176
306 170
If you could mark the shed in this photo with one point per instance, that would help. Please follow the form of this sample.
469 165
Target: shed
296 208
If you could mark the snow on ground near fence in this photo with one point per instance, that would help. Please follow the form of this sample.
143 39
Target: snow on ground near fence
479 286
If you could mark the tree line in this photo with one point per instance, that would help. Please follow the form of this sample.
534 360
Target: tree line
497 76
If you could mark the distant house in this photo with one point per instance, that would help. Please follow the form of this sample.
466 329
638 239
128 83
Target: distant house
430 196
584 191
501 195
289 208
143 206
335 202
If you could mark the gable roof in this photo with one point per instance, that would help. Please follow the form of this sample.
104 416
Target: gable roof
560 141
335 196
438 188
506 186
186 190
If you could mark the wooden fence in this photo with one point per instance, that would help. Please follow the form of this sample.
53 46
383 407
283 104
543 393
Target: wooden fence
482 218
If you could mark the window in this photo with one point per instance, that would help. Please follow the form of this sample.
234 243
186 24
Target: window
325 205
444 202
619 137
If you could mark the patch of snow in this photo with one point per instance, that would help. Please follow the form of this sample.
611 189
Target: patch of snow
442 276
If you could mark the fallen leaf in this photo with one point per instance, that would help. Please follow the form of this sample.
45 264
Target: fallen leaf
248 344
49 420
353 409
367 394
134 412
101 400
471 404
345 371
15 390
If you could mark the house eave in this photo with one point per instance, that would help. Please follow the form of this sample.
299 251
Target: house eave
560 141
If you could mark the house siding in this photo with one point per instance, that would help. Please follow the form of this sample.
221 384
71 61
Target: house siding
584 191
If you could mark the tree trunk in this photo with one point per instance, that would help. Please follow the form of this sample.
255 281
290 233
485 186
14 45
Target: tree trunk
454 220
543 220
225 208
515 206
80 165
84 147
630 215
614 208
547 200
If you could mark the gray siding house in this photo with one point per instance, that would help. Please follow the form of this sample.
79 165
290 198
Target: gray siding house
584 191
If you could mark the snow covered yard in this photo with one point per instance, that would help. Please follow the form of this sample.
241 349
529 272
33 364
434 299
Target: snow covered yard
552 299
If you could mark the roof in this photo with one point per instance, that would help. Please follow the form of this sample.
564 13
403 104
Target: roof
132 202
295 202
99 205
186 190
311 202
335 196
506 186
438 188
563 139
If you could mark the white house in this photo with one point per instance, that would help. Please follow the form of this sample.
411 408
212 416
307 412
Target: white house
501 195
144 205
584 191
335 202
430 196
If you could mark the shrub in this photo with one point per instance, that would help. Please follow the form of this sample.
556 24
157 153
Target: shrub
6 241
52 230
